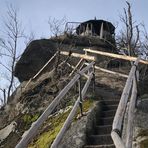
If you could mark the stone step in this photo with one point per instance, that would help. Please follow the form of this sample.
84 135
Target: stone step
106 121
108 113
100 139
104 129
109 107
100 146
110 102
110 94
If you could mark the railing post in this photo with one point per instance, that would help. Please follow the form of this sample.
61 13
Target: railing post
80 96
130 121
94 78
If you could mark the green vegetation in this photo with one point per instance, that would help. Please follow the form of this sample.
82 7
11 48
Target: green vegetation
144 144
54 124
28 119
46 138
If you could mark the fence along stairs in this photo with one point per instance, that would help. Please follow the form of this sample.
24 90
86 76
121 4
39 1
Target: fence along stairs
101 137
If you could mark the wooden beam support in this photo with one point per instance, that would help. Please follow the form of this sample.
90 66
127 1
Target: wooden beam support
35 126
85 75
71 115
78 55
118 56
41 69
129 132
109 71
74 69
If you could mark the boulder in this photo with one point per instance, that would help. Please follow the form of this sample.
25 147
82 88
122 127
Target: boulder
34 57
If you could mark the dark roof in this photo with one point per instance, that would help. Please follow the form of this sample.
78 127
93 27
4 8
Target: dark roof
97 25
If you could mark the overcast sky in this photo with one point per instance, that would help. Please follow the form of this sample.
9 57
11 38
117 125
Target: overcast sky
34 14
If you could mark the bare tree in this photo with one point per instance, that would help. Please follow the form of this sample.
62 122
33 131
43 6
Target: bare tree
56 26
128 40
9 48
29 38
144 48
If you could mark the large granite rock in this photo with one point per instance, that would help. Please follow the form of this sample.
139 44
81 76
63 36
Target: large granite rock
76 135
140 133
140 136
34 57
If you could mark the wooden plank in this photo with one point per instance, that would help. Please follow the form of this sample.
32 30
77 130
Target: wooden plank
71 115
113 55
129 132
117 140
74 69
35 126
41 69
109 71
117 122
78 55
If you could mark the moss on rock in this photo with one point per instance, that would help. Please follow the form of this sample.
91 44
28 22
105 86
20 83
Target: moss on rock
53 125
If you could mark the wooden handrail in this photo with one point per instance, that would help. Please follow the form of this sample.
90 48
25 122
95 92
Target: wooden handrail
41 69
78 55
35 126
72 114
118 119
74 69
118 56
132 104
109 71
117 140
117 123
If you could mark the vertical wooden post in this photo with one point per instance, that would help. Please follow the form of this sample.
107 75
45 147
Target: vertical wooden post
132 104
101 31
94 78
80 96
91 30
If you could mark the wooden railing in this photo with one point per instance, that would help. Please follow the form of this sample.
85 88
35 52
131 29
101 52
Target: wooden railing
131 84
35 126
39 72
74 110
90 68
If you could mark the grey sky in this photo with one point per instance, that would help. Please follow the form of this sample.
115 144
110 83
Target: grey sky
34 14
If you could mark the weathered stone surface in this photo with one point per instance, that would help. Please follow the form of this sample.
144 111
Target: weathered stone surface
4 133
34 57
76 136
140 133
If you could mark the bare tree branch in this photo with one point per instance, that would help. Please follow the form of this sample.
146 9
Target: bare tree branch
129 37
56 26
9 46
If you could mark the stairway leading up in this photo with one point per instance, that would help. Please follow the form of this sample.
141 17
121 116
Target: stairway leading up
101 137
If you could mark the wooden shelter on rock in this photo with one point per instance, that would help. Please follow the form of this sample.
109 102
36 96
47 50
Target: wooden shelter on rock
101 28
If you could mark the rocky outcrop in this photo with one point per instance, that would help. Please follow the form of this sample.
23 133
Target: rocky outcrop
140 133
39 52
76 135
4 133
141 127
34 57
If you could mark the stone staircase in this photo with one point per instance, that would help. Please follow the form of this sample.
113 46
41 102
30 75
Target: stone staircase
101 137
